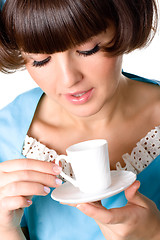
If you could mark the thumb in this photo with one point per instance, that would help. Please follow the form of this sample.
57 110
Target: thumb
131 190
134 197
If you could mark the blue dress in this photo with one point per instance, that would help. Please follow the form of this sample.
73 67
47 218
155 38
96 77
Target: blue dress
46 218
2 3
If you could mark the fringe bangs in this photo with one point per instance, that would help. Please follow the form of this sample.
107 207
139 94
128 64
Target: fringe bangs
48 26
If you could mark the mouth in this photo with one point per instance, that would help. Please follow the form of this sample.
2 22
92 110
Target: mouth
79 94
79 97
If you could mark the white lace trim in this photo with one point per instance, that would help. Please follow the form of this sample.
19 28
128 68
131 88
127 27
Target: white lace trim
36 150
146 150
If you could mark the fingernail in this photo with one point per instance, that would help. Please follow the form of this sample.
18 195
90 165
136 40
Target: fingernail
58 181
47 189
57 169
81 207
78 206
136 184
29 202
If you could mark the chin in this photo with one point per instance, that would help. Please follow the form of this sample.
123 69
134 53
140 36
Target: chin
85 112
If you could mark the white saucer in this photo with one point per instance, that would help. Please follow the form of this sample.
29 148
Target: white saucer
67 193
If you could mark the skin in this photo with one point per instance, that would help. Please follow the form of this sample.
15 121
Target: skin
127 223
20 180
116 108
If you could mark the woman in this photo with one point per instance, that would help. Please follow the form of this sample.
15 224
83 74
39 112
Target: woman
73 50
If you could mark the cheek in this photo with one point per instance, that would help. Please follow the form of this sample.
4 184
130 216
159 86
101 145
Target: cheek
33 73
113 64
38 76
107 66
110 73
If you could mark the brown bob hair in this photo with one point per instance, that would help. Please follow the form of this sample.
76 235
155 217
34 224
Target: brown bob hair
49 26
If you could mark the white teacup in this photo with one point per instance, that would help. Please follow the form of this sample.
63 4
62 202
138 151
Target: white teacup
90 163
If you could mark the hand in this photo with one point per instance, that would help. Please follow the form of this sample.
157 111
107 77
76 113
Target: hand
138 220
19 181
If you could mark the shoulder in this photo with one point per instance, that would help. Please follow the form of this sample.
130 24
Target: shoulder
143 90
145 87
150 98
23 106
25 96
20 103
140 78
144 96
15 119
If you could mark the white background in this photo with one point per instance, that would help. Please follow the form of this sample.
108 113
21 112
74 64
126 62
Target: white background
144 62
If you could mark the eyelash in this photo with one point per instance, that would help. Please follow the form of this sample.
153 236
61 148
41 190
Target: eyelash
41 63
81 53
90 52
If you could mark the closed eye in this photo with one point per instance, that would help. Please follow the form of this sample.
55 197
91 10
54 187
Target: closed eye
89 52
41 63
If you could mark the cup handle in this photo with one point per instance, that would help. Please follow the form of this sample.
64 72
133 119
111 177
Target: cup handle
62 174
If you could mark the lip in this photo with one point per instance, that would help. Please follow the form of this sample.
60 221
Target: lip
86 95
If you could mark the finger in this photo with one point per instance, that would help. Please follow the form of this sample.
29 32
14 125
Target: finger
69 204
14 203
131 190
24 189
118 215
97 212
97 203
30 164
30 176
107 216
134 197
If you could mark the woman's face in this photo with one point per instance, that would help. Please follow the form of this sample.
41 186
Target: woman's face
82 80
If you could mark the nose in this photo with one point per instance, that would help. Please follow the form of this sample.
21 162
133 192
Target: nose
69 72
